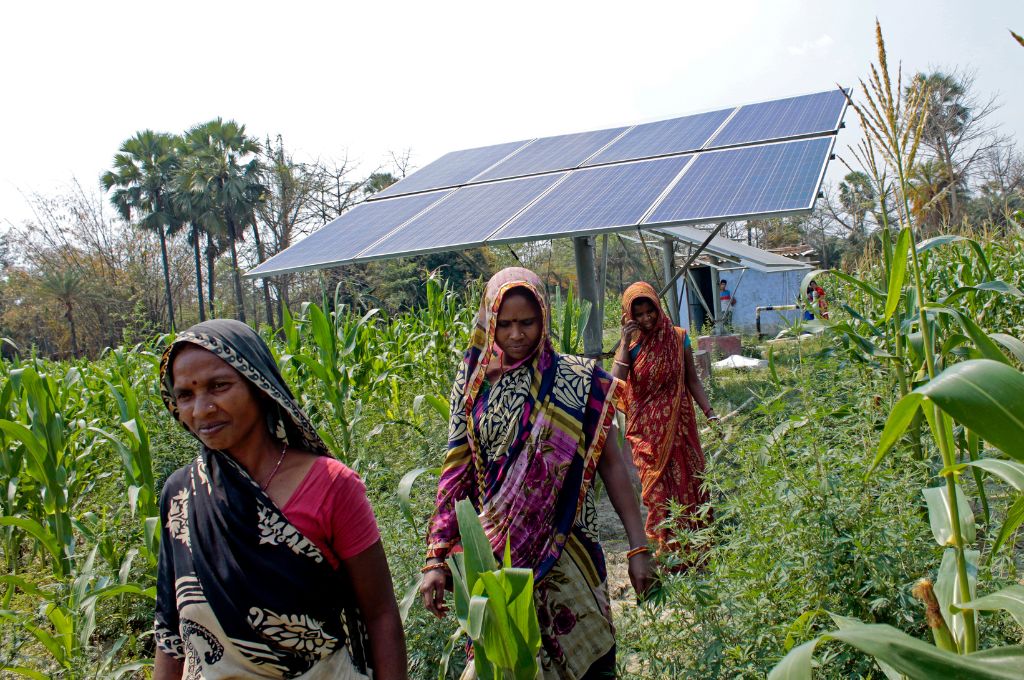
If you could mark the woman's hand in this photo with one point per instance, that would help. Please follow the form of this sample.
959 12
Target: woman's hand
641 573
432 591
629 327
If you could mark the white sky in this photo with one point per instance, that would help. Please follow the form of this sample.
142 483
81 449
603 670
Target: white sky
366 78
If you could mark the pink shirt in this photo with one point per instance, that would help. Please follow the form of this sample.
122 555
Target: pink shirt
330 508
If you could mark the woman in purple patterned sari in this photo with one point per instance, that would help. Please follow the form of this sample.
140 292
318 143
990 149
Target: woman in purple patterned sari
529 429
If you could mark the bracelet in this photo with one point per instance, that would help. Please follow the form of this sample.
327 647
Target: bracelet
622 363
434 565
637 551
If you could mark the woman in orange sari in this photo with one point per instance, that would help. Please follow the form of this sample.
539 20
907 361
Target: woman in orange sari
655 360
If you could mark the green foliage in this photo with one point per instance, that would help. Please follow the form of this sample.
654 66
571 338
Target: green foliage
962 382
494 605
569 319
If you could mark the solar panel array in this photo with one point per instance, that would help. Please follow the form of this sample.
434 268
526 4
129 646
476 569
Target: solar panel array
760 159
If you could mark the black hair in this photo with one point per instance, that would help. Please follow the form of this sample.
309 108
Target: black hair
721 281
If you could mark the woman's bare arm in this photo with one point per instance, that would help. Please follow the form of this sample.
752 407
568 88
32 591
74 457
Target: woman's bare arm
375 595
694 386
166 667
613 472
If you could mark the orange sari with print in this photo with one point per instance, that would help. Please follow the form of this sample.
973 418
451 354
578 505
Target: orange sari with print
660 423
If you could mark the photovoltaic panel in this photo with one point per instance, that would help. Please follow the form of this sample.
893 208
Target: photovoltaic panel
563 152
792 117
663 137
465 219
735 183
451 169
756 160
346 236
593 199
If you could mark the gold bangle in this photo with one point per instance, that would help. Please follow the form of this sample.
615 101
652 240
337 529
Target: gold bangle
637 551
435 565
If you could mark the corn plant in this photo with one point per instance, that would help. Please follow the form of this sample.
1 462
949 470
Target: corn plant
494 606
133 444
338 355
52 448
962 382
569 320
66 620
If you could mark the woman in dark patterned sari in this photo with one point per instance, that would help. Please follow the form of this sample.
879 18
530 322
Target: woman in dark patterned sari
529 430
270 564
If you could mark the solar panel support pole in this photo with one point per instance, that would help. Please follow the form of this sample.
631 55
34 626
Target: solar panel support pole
693 256
586 276
668 258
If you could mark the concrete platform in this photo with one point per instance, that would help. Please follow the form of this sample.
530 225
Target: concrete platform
720 346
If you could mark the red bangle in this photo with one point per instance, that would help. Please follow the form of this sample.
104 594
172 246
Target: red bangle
434 565
637 551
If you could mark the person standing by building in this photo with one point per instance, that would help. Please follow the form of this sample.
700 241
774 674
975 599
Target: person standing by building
726 300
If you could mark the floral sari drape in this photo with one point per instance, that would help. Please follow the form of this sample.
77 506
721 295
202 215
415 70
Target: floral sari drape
660 423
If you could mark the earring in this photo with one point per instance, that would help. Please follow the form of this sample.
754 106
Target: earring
275 423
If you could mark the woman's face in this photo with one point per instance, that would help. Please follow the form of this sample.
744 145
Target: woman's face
214 401
645 314
519 325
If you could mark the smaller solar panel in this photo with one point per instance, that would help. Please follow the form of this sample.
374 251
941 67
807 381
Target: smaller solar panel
677 135
467 218
451 169
592 199
547 154
349 234
792 117
751 180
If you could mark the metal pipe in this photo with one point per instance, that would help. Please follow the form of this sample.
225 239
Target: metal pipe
716 298
668 257
602 279
587 281
769 308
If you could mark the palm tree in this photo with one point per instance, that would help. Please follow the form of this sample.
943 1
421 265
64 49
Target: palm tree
67 287
142 184
192 214
222 171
